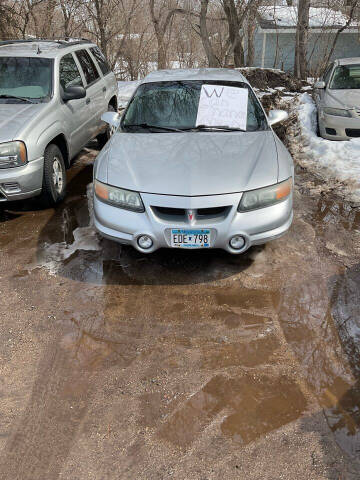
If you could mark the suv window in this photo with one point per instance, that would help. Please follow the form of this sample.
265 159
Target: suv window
101 60
69 72
88 66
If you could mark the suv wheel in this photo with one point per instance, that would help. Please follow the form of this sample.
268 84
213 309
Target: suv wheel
54 179
110 130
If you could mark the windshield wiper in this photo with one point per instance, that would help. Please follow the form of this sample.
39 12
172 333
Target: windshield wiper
24 99
146 125
224 128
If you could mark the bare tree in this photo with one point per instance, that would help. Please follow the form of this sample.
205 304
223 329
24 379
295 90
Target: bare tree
212 59
302 28
69 9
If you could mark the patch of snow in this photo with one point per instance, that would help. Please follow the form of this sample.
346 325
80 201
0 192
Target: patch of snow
337 161
286 16
85 238
125 91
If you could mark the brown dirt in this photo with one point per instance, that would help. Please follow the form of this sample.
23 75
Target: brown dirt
193 366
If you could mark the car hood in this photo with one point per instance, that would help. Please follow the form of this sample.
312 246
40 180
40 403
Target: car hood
13 117
192 163
341 98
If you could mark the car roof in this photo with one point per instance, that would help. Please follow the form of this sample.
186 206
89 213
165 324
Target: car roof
225 74
41 48
348 61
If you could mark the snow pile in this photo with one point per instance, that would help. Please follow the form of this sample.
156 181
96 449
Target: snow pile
286 16
85 238
334 160
125 91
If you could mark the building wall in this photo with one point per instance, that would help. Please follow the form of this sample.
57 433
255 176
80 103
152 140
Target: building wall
280 49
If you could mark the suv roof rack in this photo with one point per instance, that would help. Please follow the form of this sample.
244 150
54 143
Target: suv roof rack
61 42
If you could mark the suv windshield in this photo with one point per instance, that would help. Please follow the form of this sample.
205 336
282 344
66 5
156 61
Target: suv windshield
174 105
26 78
346 77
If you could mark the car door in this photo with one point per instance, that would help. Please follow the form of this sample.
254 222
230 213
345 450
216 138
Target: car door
108 76
76 112
94 90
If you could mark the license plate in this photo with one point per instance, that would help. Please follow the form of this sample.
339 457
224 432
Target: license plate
190 238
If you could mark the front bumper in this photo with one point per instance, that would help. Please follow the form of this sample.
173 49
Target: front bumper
21 182
257 227
338 126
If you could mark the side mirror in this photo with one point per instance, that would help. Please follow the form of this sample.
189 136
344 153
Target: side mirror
320 85
112 118
73 93
277 116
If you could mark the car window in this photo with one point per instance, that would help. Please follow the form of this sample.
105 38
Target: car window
69 72
101 60
175 104
26 77
88 66
346 77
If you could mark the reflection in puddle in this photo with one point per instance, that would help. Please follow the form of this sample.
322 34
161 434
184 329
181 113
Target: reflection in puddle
344 417
256 405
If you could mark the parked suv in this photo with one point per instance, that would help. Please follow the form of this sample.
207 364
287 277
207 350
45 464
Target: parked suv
52 96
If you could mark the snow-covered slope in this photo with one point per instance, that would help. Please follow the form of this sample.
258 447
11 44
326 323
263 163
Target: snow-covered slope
333 160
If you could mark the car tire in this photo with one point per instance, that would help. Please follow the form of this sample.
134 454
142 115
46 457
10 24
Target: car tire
104 137
54 177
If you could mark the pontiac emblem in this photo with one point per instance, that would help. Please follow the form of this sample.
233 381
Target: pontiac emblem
191 215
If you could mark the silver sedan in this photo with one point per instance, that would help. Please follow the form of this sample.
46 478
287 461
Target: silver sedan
164 180
337 96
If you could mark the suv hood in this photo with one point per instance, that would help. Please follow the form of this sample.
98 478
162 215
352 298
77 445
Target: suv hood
191 164
14 117
341 98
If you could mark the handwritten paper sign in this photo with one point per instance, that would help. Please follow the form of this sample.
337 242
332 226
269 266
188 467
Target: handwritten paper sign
223 106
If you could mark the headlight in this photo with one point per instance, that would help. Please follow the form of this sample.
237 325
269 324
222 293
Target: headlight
264 197
118 197
12 154
338 112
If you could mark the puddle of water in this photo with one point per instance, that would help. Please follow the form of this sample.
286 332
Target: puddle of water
244 320
245 354
244 298
250 407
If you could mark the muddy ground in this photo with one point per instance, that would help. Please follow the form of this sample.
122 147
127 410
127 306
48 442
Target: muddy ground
184 365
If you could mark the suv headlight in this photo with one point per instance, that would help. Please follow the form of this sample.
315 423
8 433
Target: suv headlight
118 197
337 112
12 154
264 197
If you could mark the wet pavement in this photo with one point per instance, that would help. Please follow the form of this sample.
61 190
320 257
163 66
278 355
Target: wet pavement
186 365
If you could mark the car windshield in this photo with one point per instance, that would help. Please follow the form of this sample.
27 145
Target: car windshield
346 77
24 78
174 105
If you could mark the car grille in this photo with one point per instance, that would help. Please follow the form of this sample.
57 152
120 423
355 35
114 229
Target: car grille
214 211
180 214
352 132
170 211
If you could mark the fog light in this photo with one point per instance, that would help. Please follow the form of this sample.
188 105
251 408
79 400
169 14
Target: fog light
145 242
237 242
